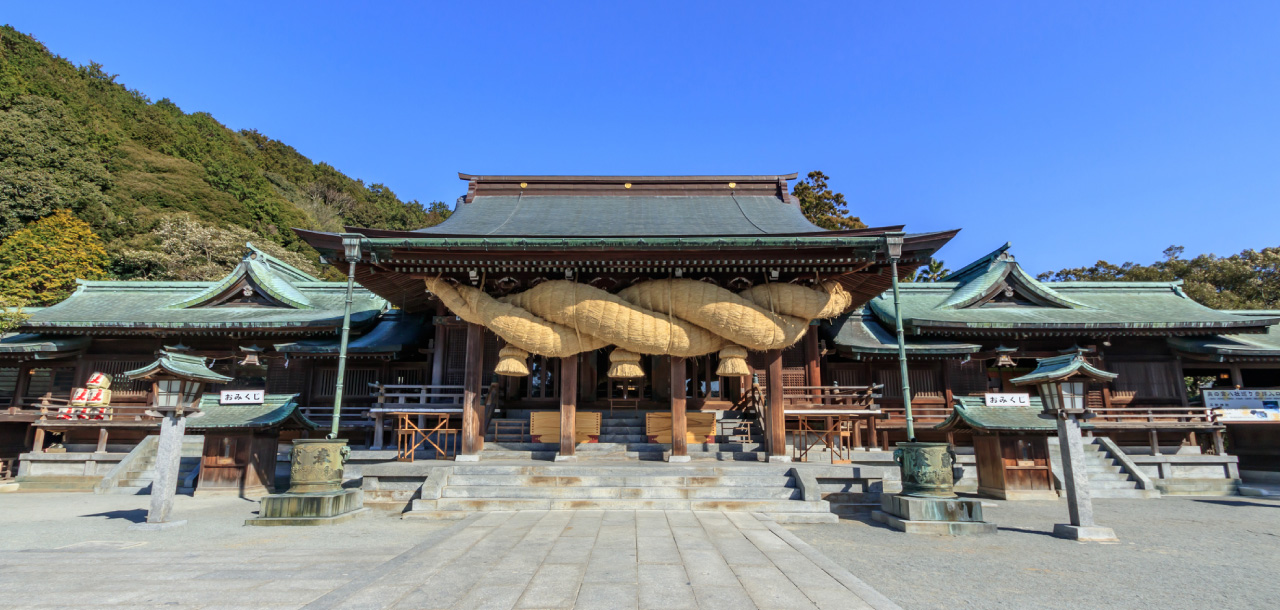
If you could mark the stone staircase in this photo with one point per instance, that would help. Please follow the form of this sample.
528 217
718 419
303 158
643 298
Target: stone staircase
771 490
622 437
1107 477
142 470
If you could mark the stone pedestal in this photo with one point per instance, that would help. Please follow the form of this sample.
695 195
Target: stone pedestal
319 508
936 516
1092 533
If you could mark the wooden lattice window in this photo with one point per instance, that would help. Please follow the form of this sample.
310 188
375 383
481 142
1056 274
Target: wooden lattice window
8 383
55 381
848 376
967 378
356 382
291 379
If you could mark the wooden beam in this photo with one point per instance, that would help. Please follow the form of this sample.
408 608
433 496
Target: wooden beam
102 440
472 432
679 424
568 405
776 410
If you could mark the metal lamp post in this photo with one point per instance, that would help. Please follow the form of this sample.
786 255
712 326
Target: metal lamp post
1061 384
927 468
351 248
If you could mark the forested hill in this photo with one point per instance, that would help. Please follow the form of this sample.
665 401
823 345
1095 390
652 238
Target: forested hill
173 195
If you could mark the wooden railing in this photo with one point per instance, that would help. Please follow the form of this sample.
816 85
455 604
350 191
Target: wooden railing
852 398
1154 418
422 399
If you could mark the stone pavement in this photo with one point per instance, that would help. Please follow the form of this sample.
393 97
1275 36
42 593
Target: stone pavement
528 559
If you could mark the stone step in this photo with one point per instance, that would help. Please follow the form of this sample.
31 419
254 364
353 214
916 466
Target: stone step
1125 484
1125 493
1108 476
495 504
130 490
803 518
658 480
625 493
633 470
1198 487
622 438
136 482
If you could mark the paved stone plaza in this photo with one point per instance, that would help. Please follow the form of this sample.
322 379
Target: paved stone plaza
74 551
529 559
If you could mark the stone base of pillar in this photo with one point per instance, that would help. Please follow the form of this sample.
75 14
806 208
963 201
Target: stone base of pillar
1082 533
462 457
320 508
155 527
935 516
780 458
678 459
566 458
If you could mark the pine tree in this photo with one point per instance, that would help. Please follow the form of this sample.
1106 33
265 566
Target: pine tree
40 263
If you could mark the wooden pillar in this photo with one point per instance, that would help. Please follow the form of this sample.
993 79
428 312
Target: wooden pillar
102 440
679 423
813 357
472 432
438 352
1237 376
1219 447
568 406
776 411
1155 442
37 443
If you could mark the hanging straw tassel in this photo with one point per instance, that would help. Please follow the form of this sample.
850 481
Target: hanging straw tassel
733 362
512 362
624 365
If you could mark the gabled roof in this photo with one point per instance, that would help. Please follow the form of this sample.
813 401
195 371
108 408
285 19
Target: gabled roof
970 412
261 293
1061 367
995 294
1233 348
275 410
857 333
195 368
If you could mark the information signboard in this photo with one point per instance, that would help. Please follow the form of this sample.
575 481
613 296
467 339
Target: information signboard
1006 399
242 397
1244 405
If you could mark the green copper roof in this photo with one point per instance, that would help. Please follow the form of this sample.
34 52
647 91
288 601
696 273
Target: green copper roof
275 410
971 412
996 294
858 332
179 365
26 343
617 216
1232 347
1061 367
291 300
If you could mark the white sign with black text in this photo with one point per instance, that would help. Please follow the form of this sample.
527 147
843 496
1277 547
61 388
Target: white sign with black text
1006 399
242 397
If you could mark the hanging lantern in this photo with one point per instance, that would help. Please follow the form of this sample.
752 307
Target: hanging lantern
624 365
1004 360
250 355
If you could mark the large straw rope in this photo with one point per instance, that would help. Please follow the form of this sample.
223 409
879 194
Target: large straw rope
676 317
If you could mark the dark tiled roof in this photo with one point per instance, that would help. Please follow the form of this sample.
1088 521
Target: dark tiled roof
393 331
616 216
858 332
276 409
25 343
1230 347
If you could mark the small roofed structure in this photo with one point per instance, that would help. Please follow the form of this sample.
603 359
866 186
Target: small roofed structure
241 442
1011 446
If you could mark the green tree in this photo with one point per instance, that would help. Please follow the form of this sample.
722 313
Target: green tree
933 272
1248 280
185 249
40 263
822 206
11 315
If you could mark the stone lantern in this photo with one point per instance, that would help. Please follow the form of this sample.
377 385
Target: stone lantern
1062 383
176 382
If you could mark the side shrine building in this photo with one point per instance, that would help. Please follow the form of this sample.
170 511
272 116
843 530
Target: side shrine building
666 318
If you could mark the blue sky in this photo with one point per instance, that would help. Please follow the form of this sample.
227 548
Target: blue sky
1077 130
